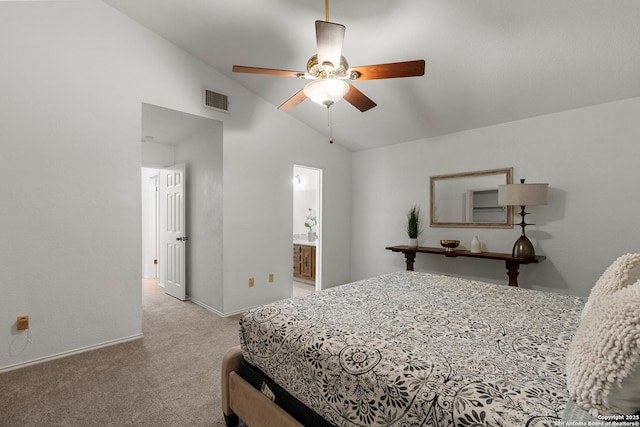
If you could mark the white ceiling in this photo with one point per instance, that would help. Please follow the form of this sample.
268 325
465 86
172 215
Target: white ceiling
488 61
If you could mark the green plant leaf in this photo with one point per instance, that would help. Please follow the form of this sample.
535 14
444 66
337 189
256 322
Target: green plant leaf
414 226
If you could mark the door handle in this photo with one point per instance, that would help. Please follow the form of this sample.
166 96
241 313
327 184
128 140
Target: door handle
182 239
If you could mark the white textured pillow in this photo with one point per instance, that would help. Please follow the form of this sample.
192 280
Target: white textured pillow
603 359
621 273
625 399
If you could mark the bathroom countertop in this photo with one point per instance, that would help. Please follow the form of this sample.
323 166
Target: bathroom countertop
304 242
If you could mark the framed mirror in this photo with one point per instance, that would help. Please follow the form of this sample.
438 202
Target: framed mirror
470 199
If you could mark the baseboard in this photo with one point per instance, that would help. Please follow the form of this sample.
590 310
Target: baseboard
206 307
69 353
242 310
213 310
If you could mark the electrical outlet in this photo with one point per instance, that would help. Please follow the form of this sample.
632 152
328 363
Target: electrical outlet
270 277
251 282
22 323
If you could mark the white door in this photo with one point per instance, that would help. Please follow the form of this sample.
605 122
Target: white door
172 231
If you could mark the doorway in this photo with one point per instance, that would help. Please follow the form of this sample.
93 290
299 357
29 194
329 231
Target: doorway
307 229
170 137
149 191
163 221
150 204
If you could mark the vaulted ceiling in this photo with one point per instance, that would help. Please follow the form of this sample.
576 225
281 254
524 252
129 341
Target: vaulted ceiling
488 61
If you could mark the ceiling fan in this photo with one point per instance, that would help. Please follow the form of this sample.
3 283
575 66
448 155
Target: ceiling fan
330 72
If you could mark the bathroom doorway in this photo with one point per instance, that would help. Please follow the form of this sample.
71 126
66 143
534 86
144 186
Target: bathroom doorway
307 230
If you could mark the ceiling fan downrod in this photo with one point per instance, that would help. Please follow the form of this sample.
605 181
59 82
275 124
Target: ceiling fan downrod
326 10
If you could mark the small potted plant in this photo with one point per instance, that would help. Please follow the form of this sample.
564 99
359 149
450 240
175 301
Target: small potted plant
310 222
414 228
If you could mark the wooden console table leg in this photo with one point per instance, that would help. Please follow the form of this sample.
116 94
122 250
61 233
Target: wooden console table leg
512 272
410 258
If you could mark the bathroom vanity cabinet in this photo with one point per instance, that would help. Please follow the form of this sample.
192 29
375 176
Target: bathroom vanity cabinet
304 262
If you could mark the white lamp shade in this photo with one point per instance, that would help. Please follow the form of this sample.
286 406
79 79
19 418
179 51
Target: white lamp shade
326 91
522 194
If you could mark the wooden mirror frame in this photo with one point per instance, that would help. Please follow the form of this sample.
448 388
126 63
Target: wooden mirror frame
508 174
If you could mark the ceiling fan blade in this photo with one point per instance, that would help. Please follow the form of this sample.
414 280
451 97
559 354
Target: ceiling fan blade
294 101
269 71
358 99
390 70
329 38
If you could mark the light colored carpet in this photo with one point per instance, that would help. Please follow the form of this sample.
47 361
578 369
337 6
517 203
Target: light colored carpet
170 377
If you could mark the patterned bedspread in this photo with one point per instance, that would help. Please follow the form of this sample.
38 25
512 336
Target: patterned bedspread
416 349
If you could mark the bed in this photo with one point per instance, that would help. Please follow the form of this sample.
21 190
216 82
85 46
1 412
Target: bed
406 349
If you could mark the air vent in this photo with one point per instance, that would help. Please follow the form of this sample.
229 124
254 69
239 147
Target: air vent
216 101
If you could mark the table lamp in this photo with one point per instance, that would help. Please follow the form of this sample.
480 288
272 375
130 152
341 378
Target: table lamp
522 195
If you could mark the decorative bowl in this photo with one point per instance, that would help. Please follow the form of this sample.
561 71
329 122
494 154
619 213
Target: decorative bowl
449 245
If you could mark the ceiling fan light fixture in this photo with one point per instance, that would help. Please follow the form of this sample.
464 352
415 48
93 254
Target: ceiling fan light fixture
327 69
326 92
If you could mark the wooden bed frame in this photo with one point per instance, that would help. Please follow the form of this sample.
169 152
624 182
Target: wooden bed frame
241 400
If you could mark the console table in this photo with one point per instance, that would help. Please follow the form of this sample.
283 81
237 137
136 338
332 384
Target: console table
512 263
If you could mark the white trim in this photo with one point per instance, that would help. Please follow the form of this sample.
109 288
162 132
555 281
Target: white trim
206 307
214 311
69 353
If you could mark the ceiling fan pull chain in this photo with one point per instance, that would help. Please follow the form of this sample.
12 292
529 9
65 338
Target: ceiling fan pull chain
330 125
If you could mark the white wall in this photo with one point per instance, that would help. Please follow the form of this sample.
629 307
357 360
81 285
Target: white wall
588 156
73 78
157 155
258 213
202 155
303 201
305 197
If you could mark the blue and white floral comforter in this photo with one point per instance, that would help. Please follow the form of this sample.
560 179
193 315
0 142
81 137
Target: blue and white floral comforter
416 349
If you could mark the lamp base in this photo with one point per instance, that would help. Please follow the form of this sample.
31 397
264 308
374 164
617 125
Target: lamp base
523 248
